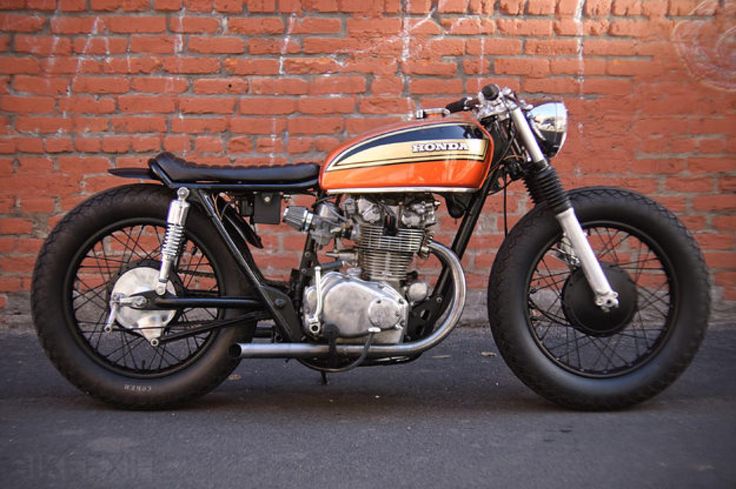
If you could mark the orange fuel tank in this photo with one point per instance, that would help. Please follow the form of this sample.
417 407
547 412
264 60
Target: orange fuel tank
423 156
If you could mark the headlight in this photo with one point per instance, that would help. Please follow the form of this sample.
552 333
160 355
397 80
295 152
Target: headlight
549 123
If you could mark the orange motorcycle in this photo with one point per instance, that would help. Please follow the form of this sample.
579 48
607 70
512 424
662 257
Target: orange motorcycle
147 295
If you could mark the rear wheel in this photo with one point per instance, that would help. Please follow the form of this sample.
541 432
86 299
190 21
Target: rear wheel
568 350
109 244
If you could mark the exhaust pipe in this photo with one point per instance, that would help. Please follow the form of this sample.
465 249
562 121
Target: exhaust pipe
309 350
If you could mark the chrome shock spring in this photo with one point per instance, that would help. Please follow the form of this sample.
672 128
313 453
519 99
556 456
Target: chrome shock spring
172 240
178 210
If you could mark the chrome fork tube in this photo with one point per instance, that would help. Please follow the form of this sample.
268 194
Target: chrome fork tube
605 297
527 136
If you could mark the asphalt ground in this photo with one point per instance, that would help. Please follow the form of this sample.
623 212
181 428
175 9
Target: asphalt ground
455 418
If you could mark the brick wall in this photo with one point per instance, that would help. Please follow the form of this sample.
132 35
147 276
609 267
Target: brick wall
88 85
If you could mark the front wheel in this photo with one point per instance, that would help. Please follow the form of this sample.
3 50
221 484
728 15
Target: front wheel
569 351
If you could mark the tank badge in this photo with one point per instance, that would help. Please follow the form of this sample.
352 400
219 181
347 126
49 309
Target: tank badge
439 146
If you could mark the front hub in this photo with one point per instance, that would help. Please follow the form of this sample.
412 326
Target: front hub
578 303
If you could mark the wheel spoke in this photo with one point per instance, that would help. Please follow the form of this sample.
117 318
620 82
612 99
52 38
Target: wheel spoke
117 252
621 349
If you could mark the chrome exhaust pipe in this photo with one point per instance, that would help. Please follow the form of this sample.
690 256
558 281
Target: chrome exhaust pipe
309 350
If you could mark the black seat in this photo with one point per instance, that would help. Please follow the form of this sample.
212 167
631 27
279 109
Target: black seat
179 170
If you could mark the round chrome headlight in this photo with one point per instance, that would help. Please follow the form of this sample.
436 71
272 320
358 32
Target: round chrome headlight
549 123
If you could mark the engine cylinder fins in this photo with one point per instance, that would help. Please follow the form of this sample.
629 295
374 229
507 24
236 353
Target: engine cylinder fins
387 256
405 240
384 265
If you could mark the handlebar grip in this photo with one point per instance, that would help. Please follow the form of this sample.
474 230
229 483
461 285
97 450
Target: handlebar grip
457 106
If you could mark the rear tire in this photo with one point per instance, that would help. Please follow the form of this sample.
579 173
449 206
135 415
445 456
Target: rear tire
616 379
71 348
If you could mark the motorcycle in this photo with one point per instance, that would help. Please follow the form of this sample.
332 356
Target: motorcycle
147 295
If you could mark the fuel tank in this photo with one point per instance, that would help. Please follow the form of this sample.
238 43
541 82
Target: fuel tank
423 156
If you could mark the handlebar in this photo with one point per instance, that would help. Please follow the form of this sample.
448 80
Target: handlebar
461 105
490 92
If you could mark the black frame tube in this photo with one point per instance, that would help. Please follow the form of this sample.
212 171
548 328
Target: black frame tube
276 302
175 302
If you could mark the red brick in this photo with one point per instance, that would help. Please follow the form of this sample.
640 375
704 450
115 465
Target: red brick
87 105
257 125
336 105
251 66
472 26
10 65
42 45
159 44
315 125
139 124
540 7
129 25
193 125
91 84
27 104
229 6
534 67
337 85
42 125
191 65
435 87
194 25
373 26
165 84
15 225
206 105
528 27
430 68
125 5
551 47
76 25
280 86
384 105
145 104
220 85
315 25
256 25
217 45
21 22
725 202
268 105
258 46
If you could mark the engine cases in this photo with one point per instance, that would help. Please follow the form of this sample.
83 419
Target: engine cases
444 156
353 305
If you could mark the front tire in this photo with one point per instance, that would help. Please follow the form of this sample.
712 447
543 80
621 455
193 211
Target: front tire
537 297
104 239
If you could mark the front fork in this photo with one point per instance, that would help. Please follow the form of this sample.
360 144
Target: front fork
544 185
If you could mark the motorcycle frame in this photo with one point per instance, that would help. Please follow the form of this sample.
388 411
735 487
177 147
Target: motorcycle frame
269 297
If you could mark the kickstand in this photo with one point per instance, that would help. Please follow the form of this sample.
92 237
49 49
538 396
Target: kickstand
324 378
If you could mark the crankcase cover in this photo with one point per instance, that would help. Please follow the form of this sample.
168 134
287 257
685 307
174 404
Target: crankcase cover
354 305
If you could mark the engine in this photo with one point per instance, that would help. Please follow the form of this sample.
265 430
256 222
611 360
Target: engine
375 292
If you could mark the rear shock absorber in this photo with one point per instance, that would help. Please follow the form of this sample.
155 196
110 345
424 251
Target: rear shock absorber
178 210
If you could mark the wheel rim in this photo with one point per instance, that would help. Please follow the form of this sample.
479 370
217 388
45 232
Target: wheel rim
106 256
626 348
